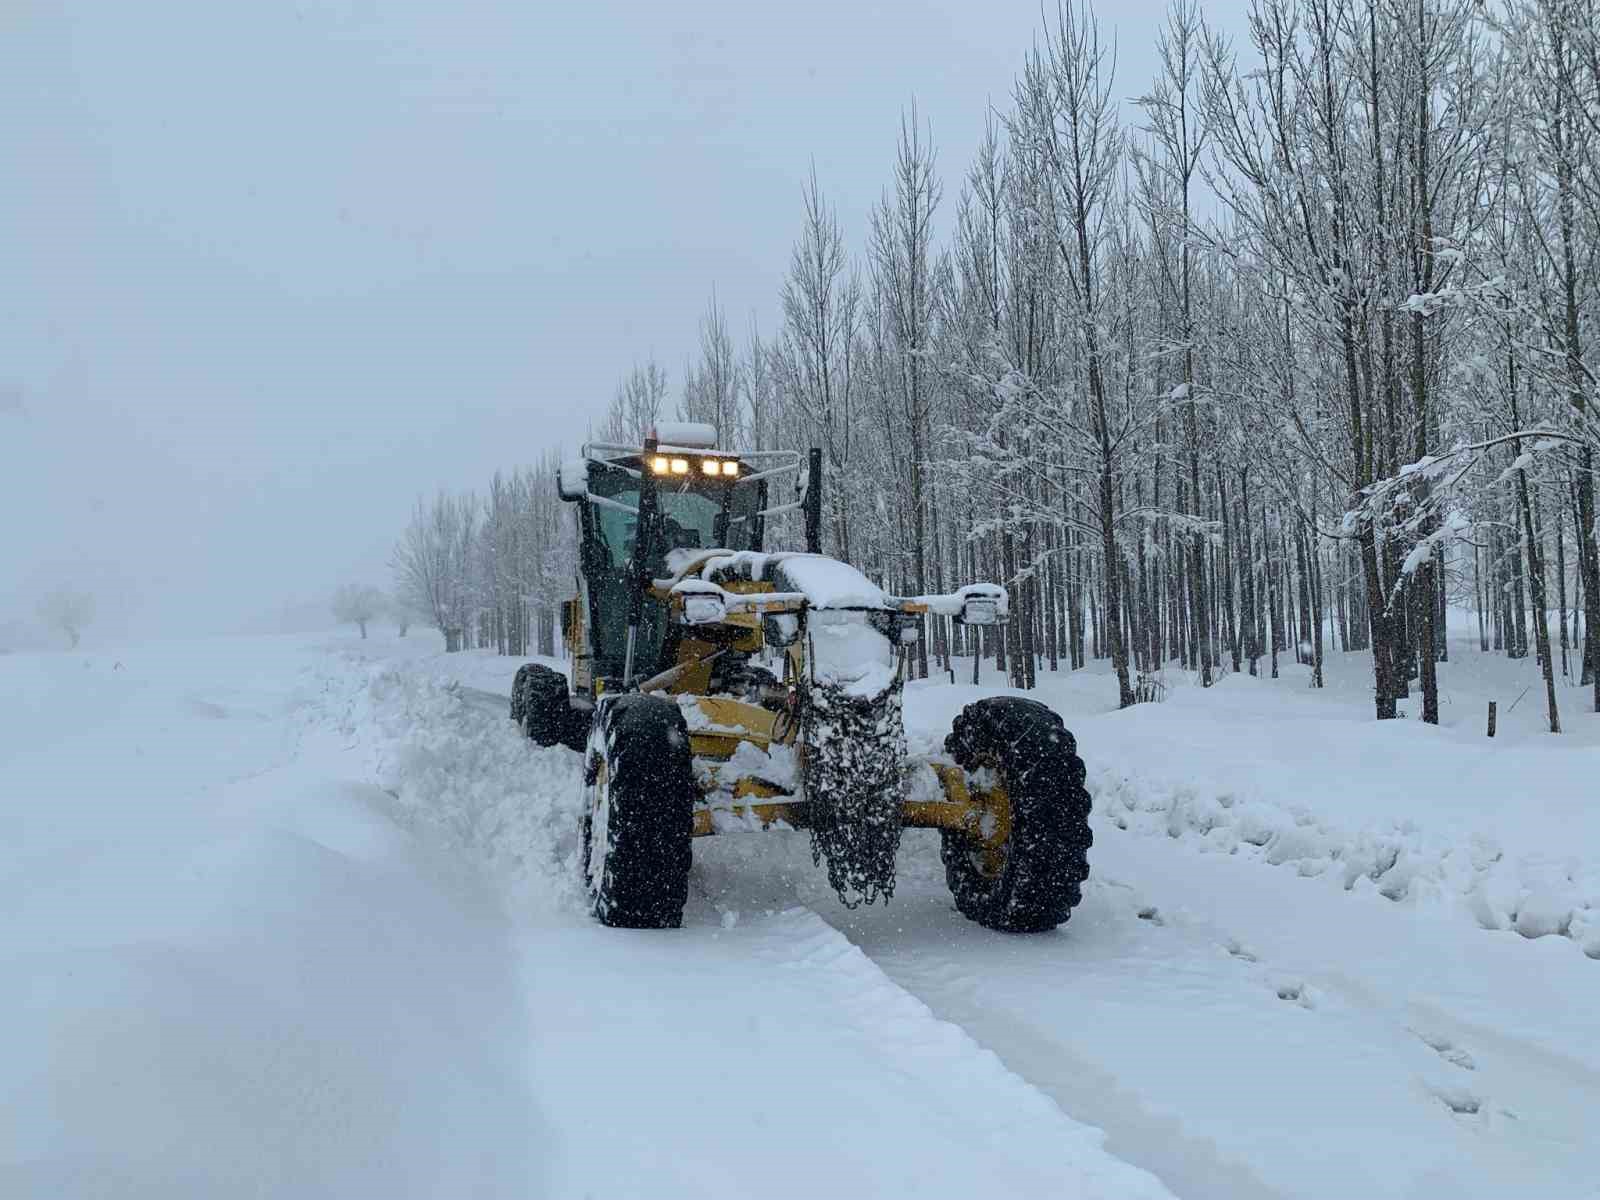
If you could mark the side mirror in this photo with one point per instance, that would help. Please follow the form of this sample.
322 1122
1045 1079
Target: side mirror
901 628
780 630
979 610
572 480
981 604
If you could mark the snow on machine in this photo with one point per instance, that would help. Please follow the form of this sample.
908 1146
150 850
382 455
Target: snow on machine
715 689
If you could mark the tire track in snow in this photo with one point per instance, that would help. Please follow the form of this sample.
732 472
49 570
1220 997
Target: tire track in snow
1251 1054
1192 1167
926 949
927 1045
1407 997
917 943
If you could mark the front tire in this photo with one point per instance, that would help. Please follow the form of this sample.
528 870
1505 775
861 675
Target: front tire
638 825
1038 879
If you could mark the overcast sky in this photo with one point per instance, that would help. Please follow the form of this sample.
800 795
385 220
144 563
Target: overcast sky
268 269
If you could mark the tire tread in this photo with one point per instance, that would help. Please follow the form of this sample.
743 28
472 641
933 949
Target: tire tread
1047 861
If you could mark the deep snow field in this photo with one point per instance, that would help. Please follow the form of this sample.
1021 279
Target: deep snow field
299 917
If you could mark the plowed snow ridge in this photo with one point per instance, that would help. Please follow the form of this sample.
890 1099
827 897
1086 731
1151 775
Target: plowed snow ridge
1535 894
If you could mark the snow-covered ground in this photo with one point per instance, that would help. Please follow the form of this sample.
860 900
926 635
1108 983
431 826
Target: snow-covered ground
299 917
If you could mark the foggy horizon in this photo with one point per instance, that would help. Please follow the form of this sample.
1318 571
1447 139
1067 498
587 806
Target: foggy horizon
276 270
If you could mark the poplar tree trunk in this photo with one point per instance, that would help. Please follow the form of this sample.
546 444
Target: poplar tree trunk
1541 620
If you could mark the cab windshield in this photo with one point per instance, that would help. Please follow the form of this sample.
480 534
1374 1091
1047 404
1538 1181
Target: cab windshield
691 520
695 515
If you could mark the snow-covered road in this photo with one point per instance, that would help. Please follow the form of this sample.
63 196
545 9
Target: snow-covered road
298 917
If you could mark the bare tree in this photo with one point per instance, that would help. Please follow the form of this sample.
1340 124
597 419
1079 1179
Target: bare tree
433 565
1177 123
637 403
756 386
67 610
815 355
356 604
900 250
711 387
400 611
1067 115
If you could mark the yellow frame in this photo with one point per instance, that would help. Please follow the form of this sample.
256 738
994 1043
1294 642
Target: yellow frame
758 804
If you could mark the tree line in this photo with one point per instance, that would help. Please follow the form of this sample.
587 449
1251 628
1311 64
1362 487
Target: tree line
1290 355
489 571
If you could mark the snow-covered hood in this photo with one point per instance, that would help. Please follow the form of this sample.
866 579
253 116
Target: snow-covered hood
825 582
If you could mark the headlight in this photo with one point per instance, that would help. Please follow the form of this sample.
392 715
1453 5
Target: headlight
660 465
709 466
730 468
702 608
680 466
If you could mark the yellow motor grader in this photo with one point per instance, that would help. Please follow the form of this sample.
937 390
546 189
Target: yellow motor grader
714 689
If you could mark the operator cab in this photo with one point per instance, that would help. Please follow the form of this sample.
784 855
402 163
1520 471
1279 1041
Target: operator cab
703 498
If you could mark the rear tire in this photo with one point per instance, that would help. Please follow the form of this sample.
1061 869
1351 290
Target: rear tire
638 825
1046 857
519 702
547 714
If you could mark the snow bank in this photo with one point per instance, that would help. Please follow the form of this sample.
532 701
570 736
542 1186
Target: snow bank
1535 893
1504 833
464 776
226 972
